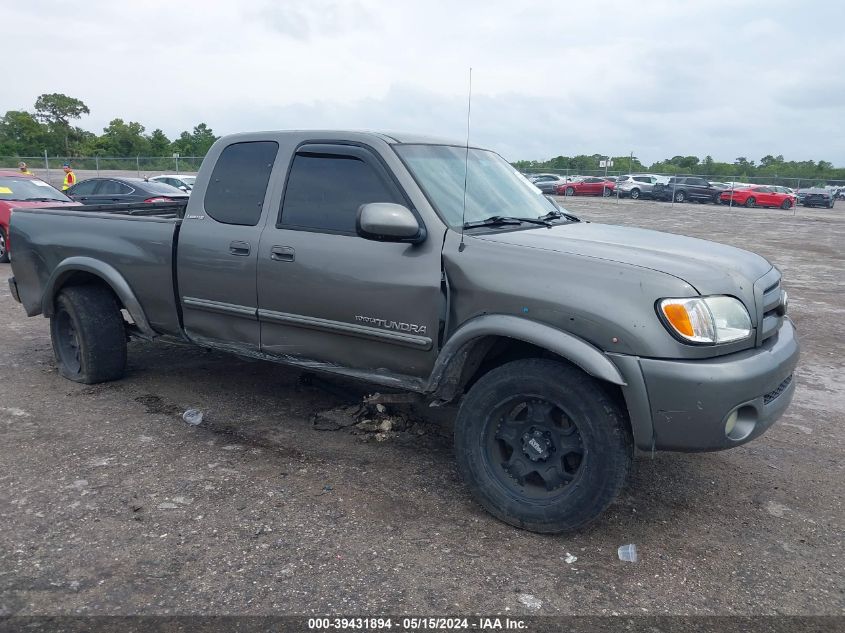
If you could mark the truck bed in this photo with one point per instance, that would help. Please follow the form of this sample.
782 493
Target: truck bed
138 241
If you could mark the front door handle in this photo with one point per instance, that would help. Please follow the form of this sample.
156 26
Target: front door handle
239 248
283 253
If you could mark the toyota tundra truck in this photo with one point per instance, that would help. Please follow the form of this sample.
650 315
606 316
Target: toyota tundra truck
432 267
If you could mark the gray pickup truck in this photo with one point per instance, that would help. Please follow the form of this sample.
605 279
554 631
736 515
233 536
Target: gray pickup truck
427 266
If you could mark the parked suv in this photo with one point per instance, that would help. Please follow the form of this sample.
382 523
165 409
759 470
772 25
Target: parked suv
636 185
683 188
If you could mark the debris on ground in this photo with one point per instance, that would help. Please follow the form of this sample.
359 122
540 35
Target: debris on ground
337 418
570 558
530 601
628 553
373 417
392 398
193 417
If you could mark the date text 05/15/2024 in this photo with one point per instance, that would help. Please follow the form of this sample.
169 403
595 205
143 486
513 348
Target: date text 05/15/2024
417 624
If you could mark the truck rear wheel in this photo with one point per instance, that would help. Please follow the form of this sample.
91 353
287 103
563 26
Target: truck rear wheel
88 335
542 445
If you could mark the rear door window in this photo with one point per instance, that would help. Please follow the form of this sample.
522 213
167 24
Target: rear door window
113 188
85 188
238 184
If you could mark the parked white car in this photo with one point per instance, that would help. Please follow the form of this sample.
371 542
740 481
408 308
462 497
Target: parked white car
185 182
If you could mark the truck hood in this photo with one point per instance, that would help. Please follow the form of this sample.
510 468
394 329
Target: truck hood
710 267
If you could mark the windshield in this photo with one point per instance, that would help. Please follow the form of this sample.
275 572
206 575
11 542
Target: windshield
493 186
12 188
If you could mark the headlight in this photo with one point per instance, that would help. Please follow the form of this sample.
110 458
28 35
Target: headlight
710 320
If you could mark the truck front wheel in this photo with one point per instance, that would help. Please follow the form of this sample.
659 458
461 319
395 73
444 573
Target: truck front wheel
88 335
542 445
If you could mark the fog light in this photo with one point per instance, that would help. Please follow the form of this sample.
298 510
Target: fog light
730 425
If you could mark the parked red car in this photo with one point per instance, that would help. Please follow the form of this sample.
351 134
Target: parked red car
758 196
587 187
20 190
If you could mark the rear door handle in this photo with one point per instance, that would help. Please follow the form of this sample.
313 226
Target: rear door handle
283 253
239 248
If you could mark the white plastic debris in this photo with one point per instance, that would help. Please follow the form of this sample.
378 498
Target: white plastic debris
193 417
530 601
570 558
628 553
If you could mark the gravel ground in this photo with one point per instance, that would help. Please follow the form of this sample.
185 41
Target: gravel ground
111 504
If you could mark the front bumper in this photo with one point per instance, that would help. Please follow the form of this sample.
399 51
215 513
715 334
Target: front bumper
689 402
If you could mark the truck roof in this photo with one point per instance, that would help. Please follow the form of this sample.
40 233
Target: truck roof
392 138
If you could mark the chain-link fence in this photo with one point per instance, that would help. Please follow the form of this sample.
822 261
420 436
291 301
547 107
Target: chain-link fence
49 168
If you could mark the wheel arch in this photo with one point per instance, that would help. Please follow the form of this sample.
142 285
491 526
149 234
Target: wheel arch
465 351
86 270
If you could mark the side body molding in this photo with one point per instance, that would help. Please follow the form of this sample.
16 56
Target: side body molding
107 273
447 371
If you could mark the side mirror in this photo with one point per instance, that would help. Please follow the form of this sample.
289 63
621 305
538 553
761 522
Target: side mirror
388 222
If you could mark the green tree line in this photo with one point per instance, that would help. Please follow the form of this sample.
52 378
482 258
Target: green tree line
51 127
770 167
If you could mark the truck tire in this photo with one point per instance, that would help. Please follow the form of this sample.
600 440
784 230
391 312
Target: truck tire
542 445
680 196
4 248
88 335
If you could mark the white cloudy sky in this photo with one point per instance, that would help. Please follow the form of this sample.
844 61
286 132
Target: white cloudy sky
659 78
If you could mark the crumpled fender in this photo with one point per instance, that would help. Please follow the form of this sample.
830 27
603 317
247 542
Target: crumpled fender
447 369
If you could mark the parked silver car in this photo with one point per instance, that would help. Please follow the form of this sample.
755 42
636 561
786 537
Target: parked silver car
636 185
547 182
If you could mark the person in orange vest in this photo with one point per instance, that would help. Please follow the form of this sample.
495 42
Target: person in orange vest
70 177
23 169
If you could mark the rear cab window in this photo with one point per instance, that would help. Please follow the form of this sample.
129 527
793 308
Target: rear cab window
238 183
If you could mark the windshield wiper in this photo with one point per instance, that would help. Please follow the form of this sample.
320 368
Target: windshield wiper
554 215
42 200
504 220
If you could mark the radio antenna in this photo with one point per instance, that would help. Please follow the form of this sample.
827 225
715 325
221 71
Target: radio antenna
462 246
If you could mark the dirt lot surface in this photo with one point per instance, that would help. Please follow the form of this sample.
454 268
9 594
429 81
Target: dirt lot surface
111 504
